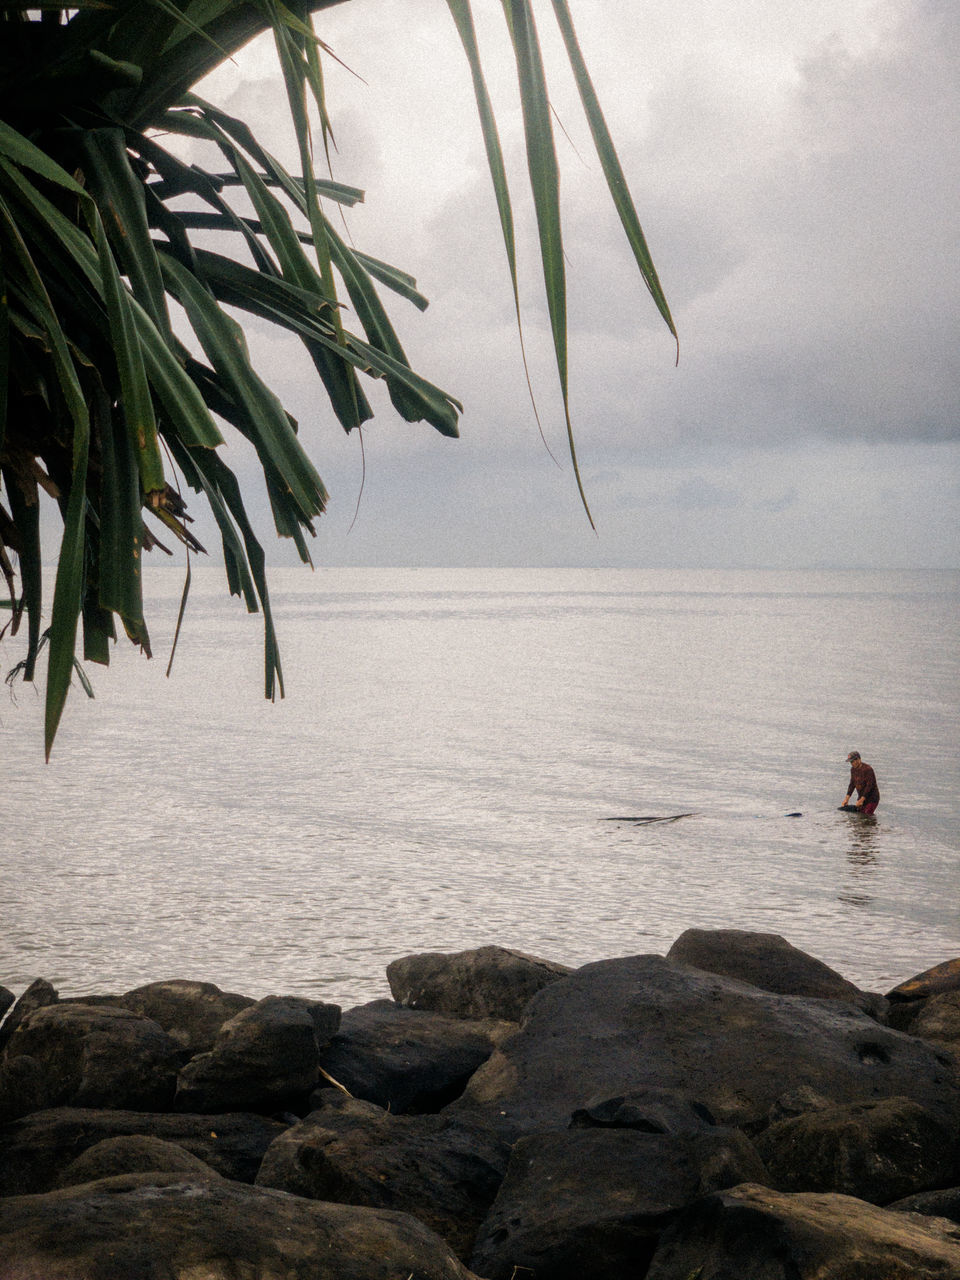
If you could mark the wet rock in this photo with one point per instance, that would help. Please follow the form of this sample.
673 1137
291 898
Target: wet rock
646 1110
354 1152
594 1202
23 1087
38 995
938 1021
753 1233
768 961
944 1203
407 1060
154 1226
643 1022
266 1058
488 982
35 1150
932 982
876 1151
89 1056
132 1153
7 1001
192 1013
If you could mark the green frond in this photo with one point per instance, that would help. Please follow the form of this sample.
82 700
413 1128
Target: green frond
103 404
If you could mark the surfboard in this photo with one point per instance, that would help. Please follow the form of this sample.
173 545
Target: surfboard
675 817
670 817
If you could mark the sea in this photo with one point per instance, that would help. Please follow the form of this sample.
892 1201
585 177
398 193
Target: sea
463 757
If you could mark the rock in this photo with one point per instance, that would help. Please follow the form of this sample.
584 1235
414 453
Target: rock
944 1203
876 1151
264 1059
767 961
593 1202
938 1021
489 982
90 1056
132 1153
23 1087
647 1110
407 1060
92 999
7 1001
932 982
643 1022
901 1015
156 1226
192 1013
35 1150
38 995
752 1233
354 1152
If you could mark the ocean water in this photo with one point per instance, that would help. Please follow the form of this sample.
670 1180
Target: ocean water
445 767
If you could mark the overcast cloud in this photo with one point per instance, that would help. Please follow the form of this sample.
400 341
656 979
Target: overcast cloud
796 171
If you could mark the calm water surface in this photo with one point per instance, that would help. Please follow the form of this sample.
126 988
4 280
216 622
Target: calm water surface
441 771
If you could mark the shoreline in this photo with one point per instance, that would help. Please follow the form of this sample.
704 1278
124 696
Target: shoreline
491 1115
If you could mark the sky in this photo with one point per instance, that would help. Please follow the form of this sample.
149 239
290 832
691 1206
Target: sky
797 173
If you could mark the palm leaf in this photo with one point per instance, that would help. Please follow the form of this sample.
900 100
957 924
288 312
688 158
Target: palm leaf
120 200
134 385
4 354
25 511
545 187
225 347
67 591
613 172
96 219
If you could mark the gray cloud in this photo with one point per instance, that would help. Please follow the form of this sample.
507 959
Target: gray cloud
796 172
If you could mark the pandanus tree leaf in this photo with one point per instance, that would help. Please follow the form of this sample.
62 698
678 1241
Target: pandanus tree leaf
105 403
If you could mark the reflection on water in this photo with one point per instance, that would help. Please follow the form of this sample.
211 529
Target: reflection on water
439 774
863 839
862 862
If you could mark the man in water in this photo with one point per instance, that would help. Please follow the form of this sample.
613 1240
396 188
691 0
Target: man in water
863 781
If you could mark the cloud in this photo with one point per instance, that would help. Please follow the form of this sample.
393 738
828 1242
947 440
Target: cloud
795 169
695 493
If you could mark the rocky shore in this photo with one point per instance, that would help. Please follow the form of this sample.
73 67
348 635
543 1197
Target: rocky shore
732 1109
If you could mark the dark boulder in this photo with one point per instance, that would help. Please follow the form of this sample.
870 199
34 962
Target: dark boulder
155 1226
38 995
876 1151
593 1202
23 1087
192 1013
944 1203
644 1022
938 1021
407 1060
35 1150
443 1173
768 961
7 1001
646 1110
932 982
132 1153
753 1233
488 982
89 1056
266 1058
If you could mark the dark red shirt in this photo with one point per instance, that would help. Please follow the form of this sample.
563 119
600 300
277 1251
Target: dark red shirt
864 781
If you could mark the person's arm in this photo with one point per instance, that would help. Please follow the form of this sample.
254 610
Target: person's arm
861 786
869 789
851 786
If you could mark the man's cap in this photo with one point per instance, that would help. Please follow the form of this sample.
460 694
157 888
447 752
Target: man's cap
854 755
